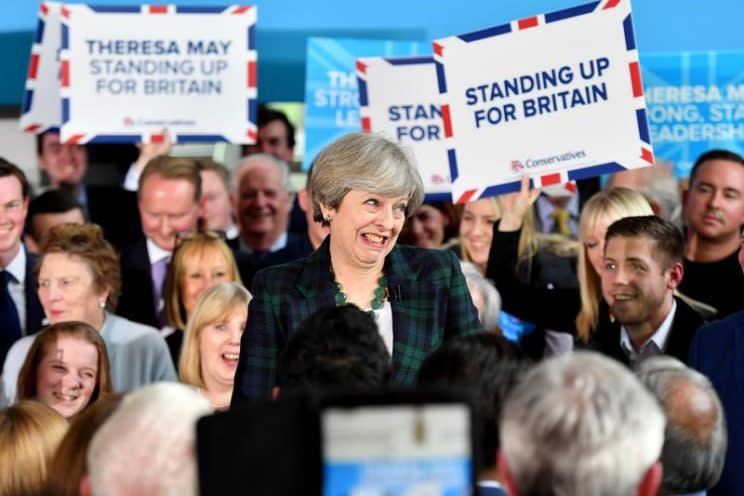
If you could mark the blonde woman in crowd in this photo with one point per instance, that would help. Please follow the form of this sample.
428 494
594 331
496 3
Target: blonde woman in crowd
212 342
30 432
566 304
201 260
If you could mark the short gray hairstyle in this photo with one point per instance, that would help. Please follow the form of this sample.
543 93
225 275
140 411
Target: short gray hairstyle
491 298
147 446
695 439
366 162
262 158
580 424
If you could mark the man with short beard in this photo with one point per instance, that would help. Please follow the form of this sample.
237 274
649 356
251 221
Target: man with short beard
714 215
642 268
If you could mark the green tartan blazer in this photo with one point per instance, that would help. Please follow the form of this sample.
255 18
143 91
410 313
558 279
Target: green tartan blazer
429 298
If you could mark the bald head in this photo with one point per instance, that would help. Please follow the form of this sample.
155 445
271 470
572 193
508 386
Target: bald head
695 436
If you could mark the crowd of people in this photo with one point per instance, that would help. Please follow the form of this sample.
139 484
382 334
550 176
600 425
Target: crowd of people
595 325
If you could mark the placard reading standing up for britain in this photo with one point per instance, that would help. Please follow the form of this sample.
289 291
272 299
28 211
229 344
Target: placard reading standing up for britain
127 73
398 97
557 96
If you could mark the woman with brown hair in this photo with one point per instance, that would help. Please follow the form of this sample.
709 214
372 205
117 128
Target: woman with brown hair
66 368
29 434
79 280
201 260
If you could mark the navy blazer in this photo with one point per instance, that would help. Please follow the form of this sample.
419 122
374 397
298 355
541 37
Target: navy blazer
137 300
429 298
718 352
685 323
34 310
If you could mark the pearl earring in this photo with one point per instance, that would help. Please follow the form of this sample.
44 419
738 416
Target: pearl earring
102 304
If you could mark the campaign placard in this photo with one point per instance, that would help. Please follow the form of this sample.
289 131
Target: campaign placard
40 109
127 73
695 103
331 90
557 96
398 97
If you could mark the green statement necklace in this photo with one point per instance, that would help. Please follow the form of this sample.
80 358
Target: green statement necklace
379 295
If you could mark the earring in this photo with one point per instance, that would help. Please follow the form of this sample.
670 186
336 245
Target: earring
102 304
328 218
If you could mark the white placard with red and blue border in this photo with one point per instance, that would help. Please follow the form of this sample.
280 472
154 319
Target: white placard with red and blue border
40 110
557 96
398 98
128 73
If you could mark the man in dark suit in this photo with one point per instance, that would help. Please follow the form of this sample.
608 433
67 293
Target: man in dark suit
168 198
718 352
20 310
111 207
643 266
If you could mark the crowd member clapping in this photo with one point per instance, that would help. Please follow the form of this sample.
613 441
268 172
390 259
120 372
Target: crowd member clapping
201 260
363 187
212 342
79 281
66 368
29 435
67 467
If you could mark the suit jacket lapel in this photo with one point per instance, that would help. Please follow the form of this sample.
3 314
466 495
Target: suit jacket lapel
314 282
34 310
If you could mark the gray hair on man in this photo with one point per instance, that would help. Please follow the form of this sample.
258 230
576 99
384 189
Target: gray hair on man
581 424
695 439
486 298
262 158
147 446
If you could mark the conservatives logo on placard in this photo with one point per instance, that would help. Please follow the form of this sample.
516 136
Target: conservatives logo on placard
533 163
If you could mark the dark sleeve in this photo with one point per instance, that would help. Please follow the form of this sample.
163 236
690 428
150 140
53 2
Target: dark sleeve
547 307
260 345
462 316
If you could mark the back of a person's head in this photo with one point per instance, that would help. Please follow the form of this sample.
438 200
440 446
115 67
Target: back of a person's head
67 467
29 434
336 347
695 438
489 367
147 446
580 424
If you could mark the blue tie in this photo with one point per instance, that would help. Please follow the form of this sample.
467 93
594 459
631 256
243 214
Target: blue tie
10 325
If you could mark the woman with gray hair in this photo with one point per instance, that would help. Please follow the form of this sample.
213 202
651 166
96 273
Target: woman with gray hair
485 296
363 188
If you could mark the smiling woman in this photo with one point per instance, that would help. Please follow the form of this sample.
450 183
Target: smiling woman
78 274
363 187
212 342
66 368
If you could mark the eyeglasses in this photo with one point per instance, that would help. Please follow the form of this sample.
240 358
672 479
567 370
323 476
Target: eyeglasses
200 234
